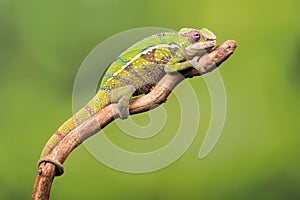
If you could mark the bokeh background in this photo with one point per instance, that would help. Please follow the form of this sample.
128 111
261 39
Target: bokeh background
43 43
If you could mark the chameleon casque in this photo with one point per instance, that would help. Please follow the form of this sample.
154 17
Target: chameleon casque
136 71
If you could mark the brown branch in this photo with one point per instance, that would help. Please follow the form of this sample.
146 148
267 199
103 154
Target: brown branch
159 94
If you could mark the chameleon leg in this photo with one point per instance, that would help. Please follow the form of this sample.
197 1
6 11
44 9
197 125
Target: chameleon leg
122 96
175 67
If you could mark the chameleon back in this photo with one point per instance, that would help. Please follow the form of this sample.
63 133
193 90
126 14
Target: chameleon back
141 65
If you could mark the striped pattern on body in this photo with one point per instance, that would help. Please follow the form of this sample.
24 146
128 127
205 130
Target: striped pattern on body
141 66
142 63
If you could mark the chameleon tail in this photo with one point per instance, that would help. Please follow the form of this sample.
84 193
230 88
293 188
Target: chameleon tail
99 101
120 95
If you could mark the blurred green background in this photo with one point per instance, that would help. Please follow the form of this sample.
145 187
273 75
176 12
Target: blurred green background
43 43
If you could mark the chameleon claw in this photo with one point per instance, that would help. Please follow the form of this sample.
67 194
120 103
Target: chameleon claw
123 111
196 65
122 97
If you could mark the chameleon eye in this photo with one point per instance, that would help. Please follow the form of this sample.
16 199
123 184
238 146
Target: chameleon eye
197 36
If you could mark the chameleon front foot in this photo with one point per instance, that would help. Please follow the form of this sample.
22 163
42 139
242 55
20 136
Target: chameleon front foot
59 169
175 67
196 65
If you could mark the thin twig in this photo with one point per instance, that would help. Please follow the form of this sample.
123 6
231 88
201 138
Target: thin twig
159 94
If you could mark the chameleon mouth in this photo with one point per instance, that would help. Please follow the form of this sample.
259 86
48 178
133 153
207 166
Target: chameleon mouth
200 46
208 50
210 39
210 45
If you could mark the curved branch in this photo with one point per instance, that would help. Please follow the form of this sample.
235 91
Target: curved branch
159 94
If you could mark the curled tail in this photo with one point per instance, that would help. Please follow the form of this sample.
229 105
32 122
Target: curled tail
99 101
119 95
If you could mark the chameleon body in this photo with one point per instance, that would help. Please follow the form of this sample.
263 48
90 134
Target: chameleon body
137 70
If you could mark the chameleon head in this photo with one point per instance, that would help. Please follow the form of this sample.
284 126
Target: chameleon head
195 41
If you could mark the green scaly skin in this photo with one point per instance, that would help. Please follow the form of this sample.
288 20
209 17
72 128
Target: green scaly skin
136 71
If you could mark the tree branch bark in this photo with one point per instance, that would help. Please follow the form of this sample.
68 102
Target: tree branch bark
159 94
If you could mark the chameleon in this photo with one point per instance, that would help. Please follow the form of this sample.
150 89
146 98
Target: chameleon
135 72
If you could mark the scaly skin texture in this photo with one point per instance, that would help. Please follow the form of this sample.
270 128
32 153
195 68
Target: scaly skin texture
137 70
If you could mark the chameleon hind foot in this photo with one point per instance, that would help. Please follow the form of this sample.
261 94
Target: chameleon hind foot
59 169
122 96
